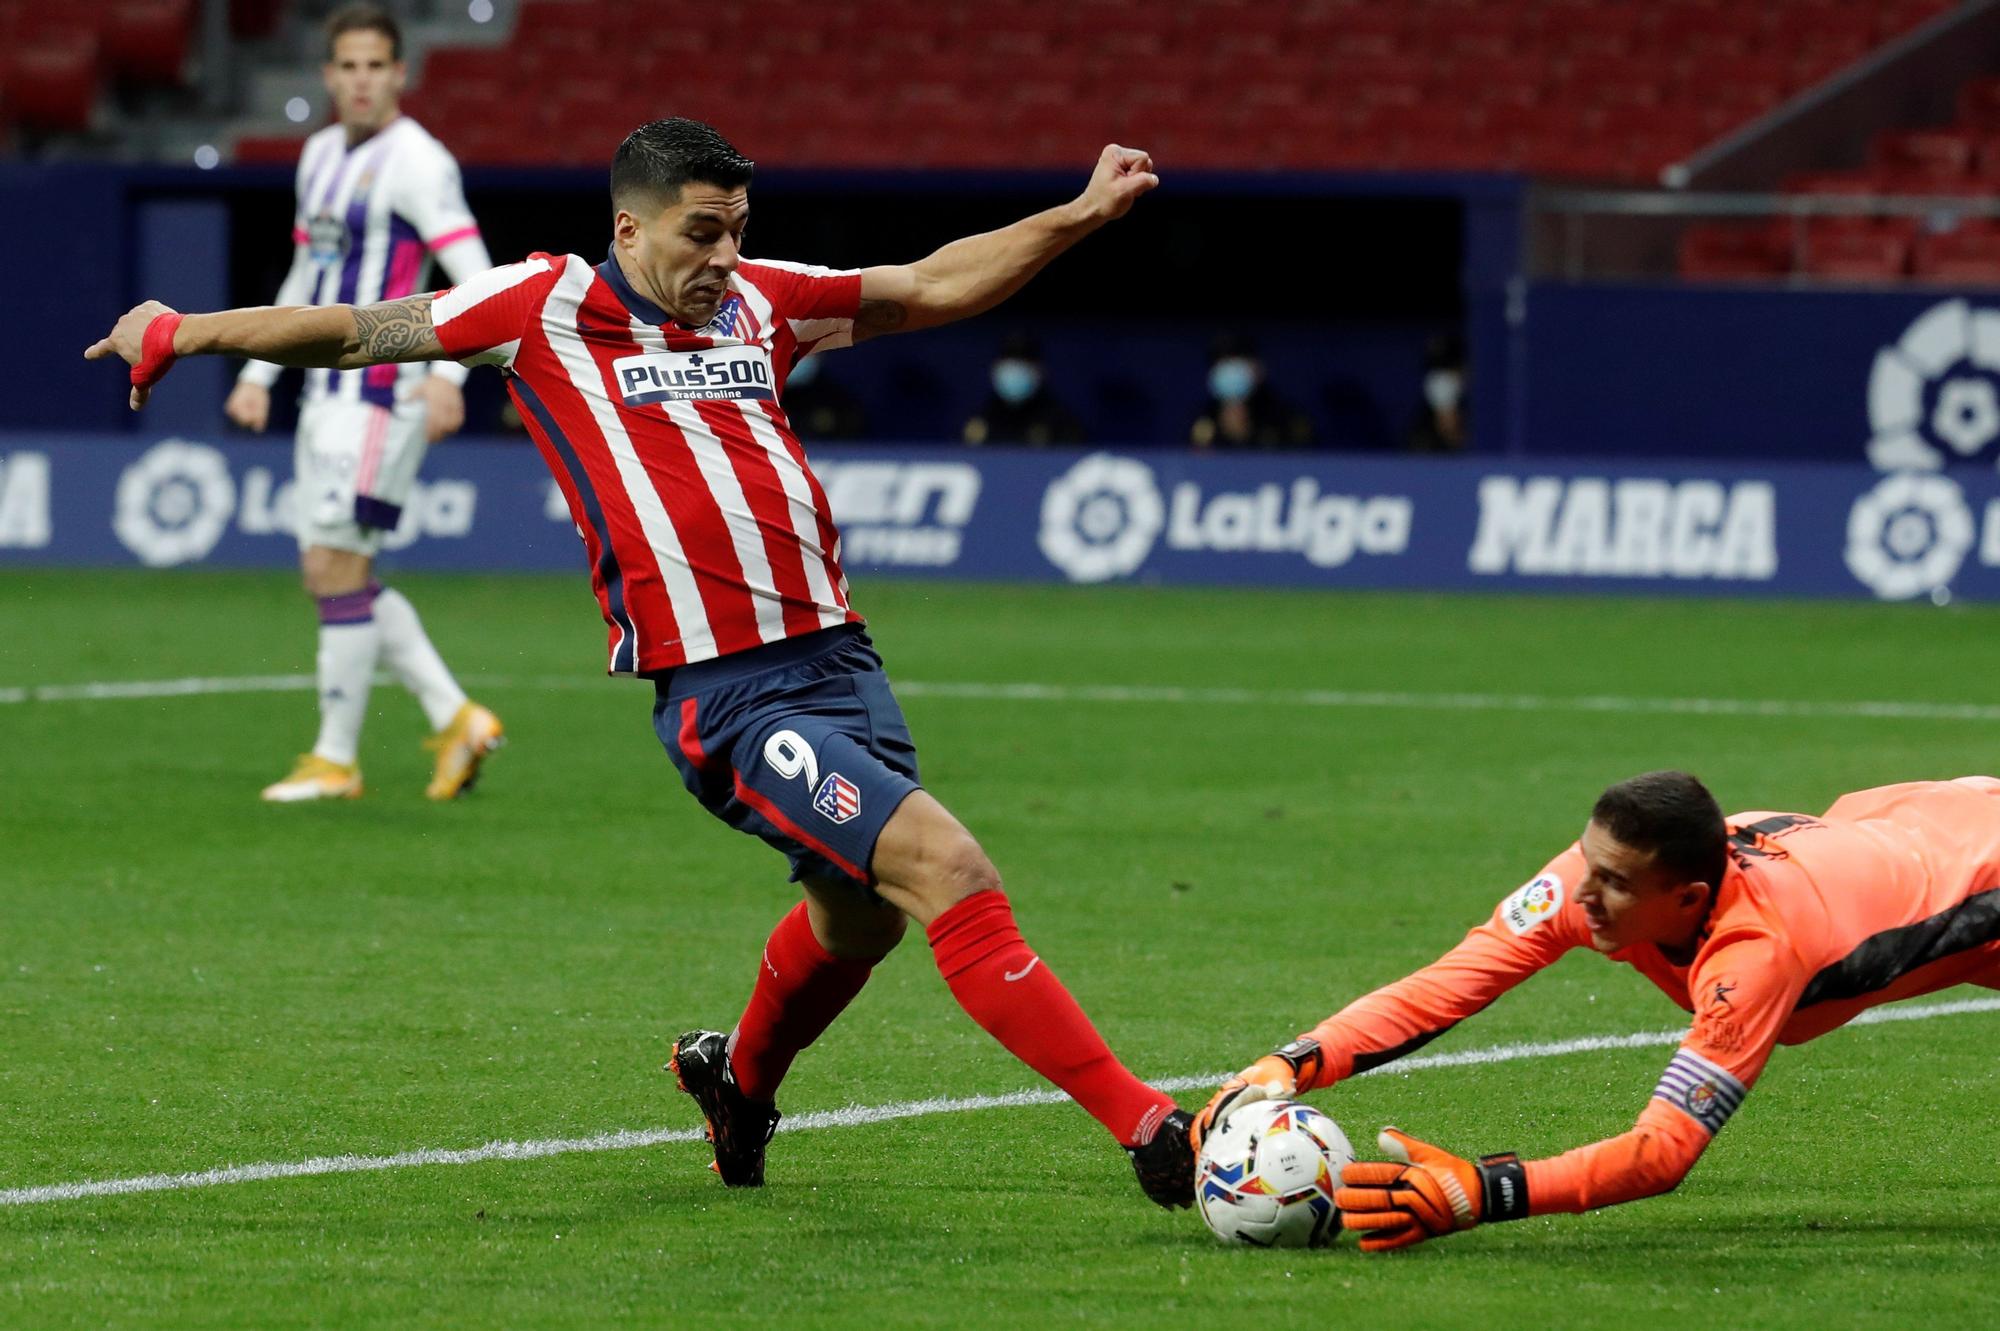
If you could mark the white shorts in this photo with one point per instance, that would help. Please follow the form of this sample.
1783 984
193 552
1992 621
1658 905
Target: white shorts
353 465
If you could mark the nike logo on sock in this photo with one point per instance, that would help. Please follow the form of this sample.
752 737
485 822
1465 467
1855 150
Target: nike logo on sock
1021 974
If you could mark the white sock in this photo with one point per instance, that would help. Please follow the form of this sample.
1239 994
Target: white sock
350 640
408 651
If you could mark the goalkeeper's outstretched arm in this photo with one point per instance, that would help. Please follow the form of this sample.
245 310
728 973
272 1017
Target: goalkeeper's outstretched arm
150 337
1380 1027
1427 1191
1525 934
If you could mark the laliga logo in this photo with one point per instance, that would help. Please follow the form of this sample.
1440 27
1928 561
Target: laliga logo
1909 535
1530 904
1935 390
1101 517
1932 397
174 503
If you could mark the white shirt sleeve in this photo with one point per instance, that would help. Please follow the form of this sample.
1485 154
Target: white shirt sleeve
300 279
431 198
296 289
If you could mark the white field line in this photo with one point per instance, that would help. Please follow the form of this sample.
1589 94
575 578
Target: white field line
111 690
856 1115
1788 708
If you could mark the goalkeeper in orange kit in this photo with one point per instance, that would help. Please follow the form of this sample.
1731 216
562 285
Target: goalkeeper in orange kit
1770 928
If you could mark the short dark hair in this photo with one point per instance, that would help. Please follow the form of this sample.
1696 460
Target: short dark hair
1672 815
660 156
364 18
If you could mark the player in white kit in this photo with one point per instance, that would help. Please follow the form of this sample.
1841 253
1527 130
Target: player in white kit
378 198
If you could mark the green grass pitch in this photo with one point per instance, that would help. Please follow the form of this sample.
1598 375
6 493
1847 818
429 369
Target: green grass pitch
189 979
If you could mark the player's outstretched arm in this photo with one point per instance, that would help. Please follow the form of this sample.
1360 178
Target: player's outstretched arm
972 275
1397 1019
150 337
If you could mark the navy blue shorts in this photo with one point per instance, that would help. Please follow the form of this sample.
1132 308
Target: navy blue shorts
799 742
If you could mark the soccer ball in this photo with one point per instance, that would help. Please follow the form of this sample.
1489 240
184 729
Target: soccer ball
1267 1178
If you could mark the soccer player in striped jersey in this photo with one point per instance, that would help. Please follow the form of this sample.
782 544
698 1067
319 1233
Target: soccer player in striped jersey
1769 928
653 384
378 200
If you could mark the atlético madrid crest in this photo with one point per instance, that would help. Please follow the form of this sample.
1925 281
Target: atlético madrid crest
838 799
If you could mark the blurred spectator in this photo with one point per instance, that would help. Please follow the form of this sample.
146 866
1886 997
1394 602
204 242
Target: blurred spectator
1441 423
1243 411
1020 409
821 408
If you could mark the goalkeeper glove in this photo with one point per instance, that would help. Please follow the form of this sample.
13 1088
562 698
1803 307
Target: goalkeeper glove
1278 1075
1431 1193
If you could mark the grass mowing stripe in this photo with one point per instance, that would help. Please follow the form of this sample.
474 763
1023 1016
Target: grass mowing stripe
1121 693
855 1116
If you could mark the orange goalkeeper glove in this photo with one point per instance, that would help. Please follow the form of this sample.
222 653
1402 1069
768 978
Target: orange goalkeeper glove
1278 1075
1431 1193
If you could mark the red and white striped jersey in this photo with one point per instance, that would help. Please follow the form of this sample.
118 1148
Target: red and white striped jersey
706 529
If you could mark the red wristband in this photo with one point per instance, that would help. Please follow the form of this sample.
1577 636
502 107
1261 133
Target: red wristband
156 350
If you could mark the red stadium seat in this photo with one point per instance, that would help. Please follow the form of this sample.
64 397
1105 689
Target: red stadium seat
1969 254
1496 32
269 149
488 145
147 40
1616 81
1903 228
1937 154
1740 79
1836 35
1368 33
1701 33
454 65
1678 123
1354 76
1312 134
1133 44
53 84
31 24
1008 36
1856 254
1605 89
1894 19
1979 105
1601 30
1734 251
1831 182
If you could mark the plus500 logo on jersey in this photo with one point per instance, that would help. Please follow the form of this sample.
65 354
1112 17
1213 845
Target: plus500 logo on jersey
721 374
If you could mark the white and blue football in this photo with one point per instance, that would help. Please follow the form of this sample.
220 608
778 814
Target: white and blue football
1267 1178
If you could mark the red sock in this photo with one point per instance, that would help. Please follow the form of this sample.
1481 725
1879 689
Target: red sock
801 988
1006 989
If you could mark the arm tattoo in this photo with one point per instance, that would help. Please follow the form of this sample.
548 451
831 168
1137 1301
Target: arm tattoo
879 316
396 330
